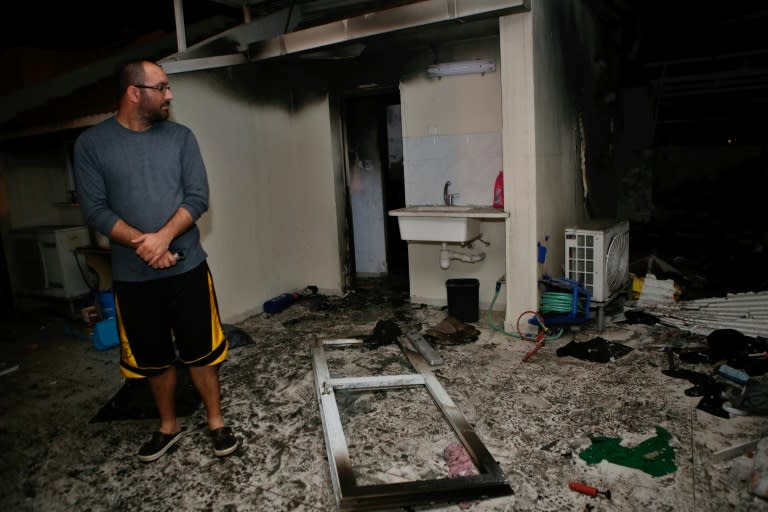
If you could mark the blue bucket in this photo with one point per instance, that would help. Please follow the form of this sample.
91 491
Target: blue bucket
105 334
107 304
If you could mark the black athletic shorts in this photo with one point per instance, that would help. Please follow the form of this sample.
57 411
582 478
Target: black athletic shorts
169 320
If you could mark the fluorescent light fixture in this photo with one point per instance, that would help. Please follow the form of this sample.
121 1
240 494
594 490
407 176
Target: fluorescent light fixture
464 67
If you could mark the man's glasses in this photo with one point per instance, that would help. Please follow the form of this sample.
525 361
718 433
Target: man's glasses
159 87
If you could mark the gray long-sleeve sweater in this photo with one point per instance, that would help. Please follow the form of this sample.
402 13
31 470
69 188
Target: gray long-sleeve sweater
142 178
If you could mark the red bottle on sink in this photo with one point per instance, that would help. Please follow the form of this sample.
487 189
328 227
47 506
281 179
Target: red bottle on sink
498 191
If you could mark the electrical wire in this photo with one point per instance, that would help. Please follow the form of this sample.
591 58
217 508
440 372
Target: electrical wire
93 288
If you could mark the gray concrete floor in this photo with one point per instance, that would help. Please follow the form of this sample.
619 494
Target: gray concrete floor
535 418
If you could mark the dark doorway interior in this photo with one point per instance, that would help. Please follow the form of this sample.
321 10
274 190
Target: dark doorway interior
375 183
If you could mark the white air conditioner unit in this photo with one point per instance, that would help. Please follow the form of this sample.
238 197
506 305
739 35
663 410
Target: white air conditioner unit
597 256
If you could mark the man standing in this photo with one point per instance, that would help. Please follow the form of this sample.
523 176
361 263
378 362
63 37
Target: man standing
142 182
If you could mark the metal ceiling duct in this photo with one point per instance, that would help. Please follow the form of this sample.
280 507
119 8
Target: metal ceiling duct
387 21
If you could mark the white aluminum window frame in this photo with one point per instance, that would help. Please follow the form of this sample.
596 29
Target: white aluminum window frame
488 482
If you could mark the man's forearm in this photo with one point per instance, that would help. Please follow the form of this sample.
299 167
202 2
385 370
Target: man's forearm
152 246
125 234
178 224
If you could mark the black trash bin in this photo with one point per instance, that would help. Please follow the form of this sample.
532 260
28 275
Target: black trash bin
463 299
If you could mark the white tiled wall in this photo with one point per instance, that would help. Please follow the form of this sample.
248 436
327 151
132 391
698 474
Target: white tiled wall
470 161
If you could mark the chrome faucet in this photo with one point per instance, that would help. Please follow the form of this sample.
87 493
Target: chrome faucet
447 198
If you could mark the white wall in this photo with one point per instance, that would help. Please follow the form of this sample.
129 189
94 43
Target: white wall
519 164
547 75
36 183
564 81
452 131
272 223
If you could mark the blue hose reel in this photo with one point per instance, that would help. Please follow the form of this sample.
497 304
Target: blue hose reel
564 301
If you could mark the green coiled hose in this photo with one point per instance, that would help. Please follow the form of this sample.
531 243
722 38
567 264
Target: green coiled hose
558 302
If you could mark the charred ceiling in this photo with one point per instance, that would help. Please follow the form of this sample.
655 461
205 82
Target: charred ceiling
705 62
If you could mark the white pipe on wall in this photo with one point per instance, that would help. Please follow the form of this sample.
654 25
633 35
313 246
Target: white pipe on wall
446 255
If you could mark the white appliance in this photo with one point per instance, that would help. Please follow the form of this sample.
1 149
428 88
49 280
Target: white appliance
45 262
597 256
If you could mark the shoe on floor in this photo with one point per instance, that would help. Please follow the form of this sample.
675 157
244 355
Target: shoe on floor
158 445
224 442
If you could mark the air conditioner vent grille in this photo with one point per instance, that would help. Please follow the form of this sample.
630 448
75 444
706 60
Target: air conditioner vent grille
597 255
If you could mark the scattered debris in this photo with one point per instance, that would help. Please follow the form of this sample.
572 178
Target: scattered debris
6 368
134 400
588 489
596 349
744 312
734 451
236 336
425 349
653 456
452 331
753 399
657 291
633 316
386 332
459 464
758 479
458 460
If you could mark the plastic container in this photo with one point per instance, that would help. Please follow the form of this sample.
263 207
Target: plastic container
498 191
105 334
106 304
733 374
279 303
463 299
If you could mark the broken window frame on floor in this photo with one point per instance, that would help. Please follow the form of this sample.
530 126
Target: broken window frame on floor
489 482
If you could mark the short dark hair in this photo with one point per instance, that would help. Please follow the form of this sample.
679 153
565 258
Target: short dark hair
129 73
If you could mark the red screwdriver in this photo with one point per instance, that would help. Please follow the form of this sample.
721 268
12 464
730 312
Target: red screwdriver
588 489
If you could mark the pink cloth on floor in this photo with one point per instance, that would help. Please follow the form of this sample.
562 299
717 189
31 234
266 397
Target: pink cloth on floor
459 461
459 464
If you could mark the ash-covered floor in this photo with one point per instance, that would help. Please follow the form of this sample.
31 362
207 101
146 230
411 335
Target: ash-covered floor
537 418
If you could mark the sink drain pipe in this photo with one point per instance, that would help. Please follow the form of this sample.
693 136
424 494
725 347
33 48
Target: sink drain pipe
446 255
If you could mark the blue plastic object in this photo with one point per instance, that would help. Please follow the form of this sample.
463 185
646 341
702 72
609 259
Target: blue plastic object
105 334
279 303
578 306
733 374
541 250
107 304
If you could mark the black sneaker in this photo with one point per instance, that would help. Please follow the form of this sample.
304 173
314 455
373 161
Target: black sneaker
158 445
224 441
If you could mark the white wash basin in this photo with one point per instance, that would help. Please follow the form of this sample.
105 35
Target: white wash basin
439 223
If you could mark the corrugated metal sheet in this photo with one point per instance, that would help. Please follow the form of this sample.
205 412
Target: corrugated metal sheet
744 312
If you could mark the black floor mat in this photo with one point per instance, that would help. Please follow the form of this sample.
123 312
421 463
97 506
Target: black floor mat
134 400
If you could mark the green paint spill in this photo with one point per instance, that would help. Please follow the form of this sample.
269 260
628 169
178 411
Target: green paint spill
653 456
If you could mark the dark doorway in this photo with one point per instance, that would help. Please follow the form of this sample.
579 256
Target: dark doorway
375 185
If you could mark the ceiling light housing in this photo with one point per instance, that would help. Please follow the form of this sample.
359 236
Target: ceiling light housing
464 67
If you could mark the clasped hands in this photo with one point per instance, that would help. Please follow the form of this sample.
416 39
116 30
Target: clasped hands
153 249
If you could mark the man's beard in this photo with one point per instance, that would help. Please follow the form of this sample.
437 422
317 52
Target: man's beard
158 115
